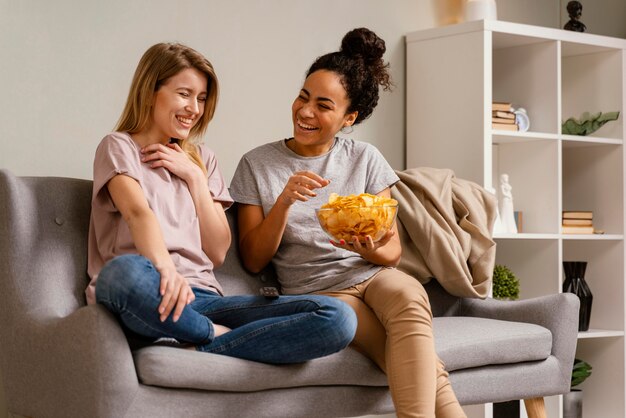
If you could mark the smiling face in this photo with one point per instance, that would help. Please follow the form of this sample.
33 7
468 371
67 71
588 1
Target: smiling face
318 113
177 107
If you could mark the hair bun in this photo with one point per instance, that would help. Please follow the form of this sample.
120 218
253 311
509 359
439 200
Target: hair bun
363 43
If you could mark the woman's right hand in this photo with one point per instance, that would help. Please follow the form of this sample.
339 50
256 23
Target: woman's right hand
301 186
175 292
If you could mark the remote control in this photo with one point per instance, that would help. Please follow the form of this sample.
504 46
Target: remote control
269 292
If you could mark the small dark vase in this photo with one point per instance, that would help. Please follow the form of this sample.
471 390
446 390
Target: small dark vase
575 283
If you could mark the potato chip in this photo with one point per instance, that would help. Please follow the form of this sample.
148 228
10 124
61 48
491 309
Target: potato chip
357 215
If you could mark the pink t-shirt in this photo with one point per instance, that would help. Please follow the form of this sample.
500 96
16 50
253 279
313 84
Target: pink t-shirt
169 199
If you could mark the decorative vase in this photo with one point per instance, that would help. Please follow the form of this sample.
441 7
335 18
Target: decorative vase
480 9
573 404
575 283
448 12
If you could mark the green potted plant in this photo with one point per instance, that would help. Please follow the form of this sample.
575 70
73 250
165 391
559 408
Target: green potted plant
505 286
505 283
573 400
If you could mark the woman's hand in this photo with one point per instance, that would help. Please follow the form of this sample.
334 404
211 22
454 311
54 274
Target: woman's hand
301 186
175 291
173 158
365 249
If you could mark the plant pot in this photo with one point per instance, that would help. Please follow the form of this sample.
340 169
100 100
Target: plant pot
573 404
575 283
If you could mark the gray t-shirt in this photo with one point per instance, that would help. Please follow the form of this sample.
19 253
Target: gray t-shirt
306 261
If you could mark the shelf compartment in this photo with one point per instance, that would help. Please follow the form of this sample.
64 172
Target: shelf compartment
603 390
593 181
535 187
539 276
604 275
592 82
527 76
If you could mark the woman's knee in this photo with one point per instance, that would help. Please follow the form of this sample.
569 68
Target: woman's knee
398 296
124 274
341 320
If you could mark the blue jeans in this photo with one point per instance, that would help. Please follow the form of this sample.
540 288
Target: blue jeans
289 329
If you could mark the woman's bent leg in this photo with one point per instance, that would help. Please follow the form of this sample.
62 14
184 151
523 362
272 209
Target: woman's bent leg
413 368
370 335
290 329
128 286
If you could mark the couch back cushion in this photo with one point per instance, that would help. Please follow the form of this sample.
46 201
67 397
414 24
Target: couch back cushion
442 303
44 222
43 244
233 277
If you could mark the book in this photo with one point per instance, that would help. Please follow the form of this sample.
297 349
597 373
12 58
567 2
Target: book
565 229
577 222
502 120
504 126
503 114
504 106
577 214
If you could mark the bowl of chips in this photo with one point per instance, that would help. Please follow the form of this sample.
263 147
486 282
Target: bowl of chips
344 217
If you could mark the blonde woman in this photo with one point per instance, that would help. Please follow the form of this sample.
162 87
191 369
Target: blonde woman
158 229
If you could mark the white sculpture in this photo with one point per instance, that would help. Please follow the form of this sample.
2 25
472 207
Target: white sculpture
497 225
507 214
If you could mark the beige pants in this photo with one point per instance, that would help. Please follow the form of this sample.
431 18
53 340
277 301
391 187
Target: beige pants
395 331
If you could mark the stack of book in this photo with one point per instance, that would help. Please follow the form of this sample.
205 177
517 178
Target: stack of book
577 222
502 117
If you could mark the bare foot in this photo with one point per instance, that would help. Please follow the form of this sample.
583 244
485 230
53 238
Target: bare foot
220 329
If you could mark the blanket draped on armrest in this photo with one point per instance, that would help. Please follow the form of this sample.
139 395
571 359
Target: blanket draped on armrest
445 225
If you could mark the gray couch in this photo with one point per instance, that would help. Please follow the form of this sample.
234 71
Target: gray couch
61 358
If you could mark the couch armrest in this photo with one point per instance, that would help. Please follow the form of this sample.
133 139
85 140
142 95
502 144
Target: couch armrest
558 313
79 365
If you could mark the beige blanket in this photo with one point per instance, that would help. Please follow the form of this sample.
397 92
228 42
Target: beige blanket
445 226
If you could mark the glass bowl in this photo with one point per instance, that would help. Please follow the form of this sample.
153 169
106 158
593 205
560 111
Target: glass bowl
346 222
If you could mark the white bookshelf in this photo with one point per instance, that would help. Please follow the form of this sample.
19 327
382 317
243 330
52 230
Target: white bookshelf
454 73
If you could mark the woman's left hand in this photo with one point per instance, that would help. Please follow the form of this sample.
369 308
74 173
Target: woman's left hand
173 158
367 248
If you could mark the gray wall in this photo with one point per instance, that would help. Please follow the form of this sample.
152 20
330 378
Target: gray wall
67 66
70 65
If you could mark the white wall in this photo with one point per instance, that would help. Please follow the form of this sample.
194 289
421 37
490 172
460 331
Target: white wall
67 65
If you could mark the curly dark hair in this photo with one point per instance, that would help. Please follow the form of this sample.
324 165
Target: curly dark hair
359 63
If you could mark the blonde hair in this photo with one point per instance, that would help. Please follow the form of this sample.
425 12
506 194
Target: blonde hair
157 65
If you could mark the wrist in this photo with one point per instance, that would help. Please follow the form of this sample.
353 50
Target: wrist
284 201
197 181
164 265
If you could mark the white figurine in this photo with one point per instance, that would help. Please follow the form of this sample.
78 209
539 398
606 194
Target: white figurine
497 225
506 205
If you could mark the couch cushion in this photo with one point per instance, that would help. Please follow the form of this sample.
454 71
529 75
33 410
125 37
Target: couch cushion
465 342
180 368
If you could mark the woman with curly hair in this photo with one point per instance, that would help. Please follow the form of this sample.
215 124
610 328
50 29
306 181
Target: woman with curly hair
278 186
